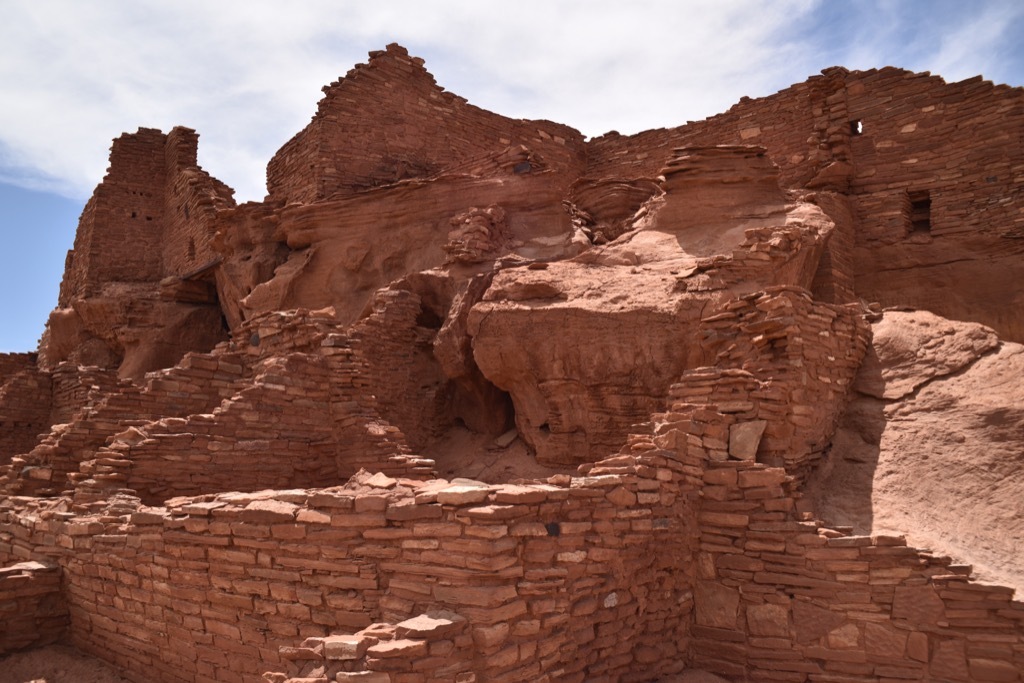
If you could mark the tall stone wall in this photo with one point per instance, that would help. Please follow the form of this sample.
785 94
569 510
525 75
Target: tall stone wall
793 125
151 218
937 181
388 120
121 229
192 199
24 396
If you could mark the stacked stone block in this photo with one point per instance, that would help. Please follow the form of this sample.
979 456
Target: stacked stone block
32 609
387 121
573 580
879 137
432 648
784 367
25 400
197 384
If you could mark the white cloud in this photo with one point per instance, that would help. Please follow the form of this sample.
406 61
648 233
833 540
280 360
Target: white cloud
247 75
978 45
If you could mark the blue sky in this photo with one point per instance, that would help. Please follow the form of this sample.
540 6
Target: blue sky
246 74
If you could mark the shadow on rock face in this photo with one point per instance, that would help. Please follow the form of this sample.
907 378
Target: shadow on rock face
931 441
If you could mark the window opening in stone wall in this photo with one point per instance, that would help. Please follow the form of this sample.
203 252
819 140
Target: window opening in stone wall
856 127
920 214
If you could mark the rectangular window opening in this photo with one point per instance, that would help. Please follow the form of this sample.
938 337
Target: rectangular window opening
920 213
856 127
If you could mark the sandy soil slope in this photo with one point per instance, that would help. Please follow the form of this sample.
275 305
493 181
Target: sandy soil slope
56 664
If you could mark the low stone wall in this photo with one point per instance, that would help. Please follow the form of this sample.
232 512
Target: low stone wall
651 561
780 596
577 579
788 600
198 384
32 609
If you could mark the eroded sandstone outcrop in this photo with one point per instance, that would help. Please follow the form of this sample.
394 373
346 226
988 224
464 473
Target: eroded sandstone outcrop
587 347
930 446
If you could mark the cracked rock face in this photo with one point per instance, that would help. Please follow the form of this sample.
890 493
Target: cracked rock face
931 443
589 346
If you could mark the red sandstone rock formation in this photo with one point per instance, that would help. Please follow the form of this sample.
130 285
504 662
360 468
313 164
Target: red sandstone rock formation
663 354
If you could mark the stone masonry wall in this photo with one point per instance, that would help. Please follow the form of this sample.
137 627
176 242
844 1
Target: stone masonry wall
431 648
889 139
588 578
409 385
137 225
196 385
578 579
32 609
783 368
834 281
274 433
792 125
788 600
937 184
25 400
192 199
302 420
780 596
13 363
72 387
388 120
33 400
120 230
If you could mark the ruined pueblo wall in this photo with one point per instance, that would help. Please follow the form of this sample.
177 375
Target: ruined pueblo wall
33 400
783 599
23 394
274 433
264 416
198 384
138 223
388 120
121 229
933 172
13 363
783 361
191 200
590 579
578 581
25 401
793 125
32 609
939 172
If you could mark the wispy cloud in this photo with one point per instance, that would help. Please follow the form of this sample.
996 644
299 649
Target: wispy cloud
247 75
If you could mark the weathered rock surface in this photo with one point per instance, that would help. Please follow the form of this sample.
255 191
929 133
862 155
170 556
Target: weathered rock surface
931 445
588 347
